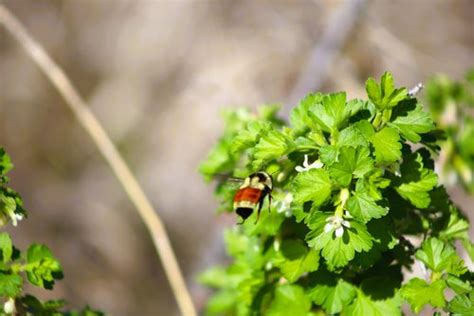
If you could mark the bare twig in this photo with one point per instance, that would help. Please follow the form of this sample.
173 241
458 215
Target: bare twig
322 56
87 119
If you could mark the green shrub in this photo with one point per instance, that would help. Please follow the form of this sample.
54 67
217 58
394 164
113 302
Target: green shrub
364 204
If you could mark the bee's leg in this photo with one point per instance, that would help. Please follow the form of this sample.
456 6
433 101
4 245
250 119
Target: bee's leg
260 204
269 202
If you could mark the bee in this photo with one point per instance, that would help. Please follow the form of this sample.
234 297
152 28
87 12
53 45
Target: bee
252 193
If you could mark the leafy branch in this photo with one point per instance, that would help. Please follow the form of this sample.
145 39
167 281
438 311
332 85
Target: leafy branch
354 183
37 265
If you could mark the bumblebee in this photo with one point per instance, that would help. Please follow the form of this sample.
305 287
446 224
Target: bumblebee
252 193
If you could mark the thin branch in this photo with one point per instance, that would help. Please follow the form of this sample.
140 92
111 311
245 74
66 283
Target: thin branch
339 27
87 119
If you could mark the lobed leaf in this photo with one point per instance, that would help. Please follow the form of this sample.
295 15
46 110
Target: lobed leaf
419 293
314 185
387 145
331 292
289 300
43 268
384 95
10 284
337 251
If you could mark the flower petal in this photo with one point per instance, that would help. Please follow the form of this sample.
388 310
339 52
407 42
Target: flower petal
300 169
9 306
328 227
316 165
305 162
339 232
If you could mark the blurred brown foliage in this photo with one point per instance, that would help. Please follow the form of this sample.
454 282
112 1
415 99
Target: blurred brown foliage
157 73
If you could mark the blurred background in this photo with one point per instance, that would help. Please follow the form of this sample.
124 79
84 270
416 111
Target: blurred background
157 74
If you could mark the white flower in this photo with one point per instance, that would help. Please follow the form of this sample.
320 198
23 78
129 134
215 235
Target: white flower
306 166
9 306
284 206
15 218
336 224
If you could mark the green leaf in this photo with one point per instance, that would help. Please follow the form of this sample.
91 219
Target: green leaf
419 293
414 123
364 306
10 284
249 288
6 247
469 247
329 113
214 277
462 305
5 162
313 185
298 259
364 208
268 224
299 117
377 296
222 159
417 181
289 300
221 303
269 112
51 307
42 268
459 286
271 146
328 154
440 257
357 134
331 292
337 251
351 162
332 112
384 95
7 204
457 228
219 160
387 145
372 183
249 137
240 245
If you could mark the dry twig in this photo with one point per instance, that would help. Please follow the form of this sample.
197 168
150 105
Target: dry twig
87 119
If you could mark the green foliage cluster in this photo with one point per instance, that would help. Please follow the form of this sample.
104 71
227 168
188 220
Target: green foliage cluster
452 106
356 201
37 265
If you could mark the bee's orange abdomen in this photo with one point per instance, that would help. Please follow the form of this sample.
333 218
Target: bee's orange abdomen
248 194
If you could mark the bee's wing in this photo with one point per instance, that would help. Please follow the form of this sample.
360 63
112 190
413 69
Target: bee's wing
226 178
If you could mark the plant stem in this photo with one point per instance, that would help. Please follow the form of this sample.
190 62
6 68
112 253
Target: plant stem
87 119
